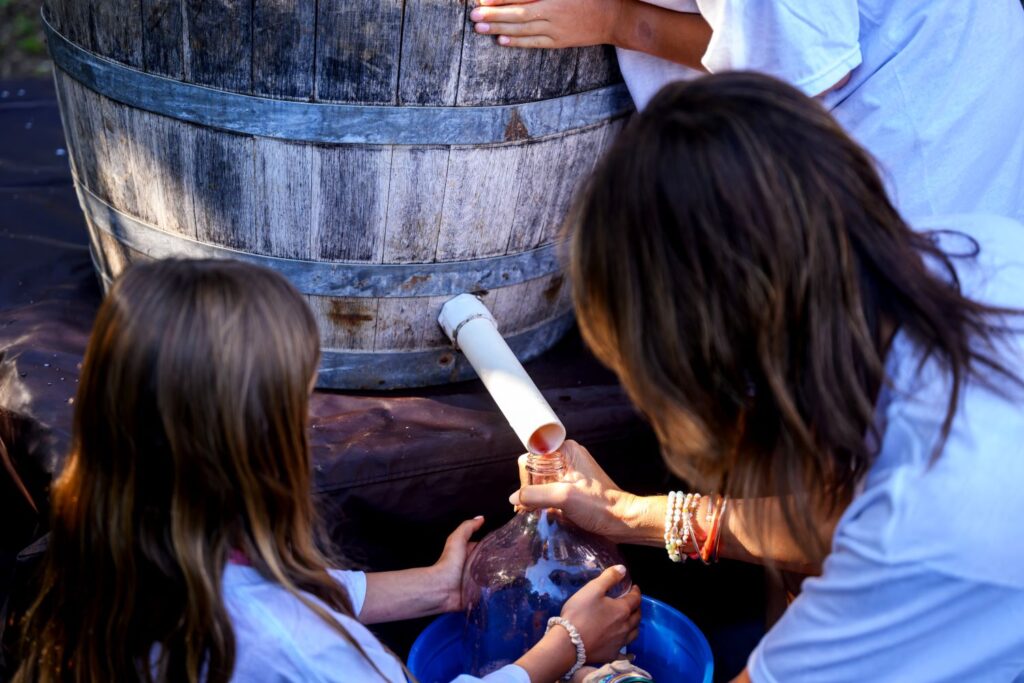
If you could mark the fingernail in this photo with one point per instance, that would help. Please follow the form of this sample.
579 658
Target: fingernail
478 517
475 15
514 498
620 568
504 40
482 27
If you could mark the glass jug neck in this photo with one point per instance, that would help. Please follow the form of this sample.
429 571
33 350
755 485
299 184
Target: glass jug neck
545 469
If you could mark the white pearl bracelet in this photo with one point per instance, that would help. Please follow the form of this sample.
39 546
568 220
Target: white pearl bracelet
577 641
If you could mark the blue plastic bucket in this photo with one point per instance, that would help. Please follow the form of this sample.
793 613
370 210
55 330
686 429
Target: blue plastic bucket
669 646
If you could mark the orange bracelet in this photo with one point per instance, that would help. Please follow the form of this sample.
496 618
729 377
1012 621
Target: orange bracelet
710 546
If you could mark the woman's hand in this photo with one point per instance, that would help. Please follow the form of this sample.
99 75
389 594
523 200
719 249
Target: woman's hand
590 498
447 571
548 23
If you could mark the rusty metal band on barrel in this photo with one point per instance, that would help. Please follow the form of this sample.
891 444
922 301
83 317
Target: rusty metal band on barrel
402 369
330 122
328 278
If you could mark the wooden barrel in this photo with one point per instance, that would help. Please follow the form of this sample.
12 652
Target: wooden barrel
378 153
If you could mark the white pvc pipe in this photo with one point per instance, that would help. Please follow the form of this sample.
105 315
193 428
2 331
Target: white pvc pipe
473 330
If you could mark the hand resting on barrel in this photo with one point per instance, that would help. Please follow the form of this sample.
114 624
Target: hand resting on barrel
548 23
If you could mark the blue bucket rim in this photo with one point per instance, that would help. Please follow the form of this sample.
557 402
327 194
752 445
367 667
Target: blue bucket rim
417 650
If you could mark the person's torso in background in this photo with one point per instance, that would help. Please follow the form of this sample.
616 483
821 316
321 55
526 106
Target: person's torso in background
937 95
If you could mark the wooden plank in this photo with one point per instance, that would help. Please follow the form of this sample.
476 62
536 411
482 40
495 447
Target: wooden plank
55 12
88 138
526 304
415 199
431 51
347 324
407 324
117 172
224 192
479 203
162 38
596 67
284 198
358 48
116 30
410 324
74 22
551 171
80 163
163 150
218 43
350 199
283 46
152 167
492 74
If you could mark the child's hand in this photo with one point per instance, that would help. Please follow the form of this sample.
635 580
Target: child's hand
606 624
548 23
448 569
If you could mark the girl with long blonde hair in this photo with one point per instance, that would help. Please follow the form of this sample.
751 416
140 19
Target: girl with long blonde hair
184 536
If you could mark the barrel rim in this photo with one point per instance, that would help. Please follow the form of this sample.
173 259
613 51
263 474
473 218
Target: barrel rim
332 122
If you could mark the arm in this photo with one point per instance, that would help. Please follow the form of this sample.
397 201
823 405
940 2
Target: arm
631 24
605 625
421 592
591 499
681 37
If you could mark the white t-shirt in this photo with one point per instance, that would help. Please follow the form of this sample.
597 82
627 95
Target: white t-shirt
279 640
936 91
925 580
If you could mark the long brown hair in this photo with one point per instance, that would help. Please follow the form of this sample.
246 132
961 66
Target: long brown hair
736 260
189 440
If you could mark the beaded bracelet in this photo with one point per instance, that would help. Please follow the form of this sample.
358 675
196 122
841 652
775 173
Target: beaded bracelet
577 641
679 528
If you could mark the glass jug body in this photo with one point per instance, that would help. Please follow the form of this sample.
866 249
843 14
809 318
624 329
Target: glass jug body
521 574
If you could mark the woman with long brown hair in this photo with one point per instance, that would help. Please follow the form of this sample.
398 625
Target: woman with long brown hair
845 390
184 544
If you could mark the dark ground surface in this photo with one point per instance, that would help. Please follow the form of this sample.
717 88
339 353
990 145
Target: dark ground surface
395 471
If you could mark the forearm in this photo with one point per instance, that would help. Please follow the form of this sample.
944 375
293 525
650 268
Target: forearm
550 659
406 594
676 36
766 540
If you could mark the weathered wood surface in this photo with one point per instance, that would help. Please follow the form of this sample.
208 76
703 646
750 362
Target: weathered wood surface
217 43
284 35
163 38
418 52
357 51
373 204
431 52
363 204
284 199
415 200
350 202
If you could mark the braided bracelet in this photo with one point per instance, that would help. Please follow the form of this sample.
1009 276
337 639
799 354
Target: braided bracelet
577 641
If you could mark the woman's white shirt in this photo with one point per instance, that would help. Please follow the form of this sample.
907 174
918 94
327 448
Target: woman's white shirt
936 89
925 581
